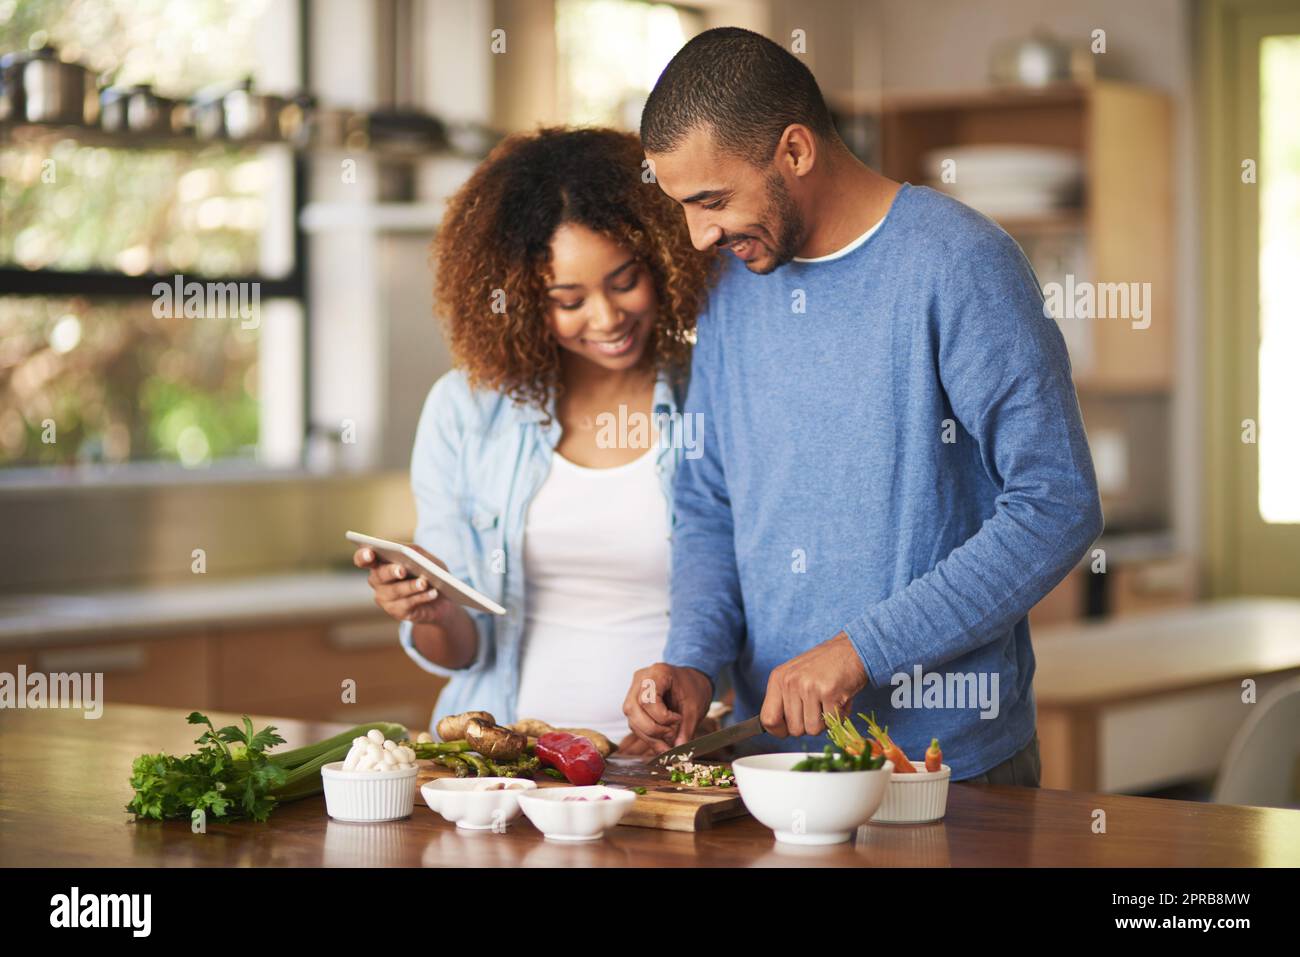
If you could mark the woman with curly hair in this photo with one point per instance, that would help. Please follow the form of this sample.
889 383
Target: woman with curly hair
543 463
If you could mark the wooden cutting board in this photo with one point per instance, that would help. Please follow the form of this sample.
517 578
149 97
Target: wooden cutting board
666 806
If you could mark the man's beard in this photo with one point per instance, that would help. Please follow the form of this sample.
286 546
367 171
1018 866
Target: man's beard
783 213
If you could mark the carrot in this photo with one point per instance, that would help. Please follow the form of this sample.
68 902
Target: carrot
933 756
891 751
894 753
844 735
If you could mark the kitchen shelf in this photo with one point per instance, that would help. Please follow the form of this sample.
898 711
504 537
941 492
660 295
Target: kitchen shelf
1120 232
1125 222
993 97
53 282
37 134
18 281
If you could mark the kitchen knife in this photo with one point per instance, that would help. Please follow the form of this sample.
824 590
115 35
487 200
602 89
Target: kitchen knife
709 743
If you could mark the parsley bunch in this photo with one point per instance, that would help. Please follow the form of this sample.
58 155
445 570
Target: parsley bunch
229 776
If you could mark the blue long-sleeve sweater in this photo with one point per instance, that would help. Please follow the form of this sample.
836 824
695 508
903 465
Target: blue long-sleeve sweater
892 448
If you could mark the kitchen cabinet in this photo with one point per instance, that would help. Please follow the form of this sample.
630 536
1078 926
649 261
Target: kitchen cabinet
275 644
300 671
296 670
173 671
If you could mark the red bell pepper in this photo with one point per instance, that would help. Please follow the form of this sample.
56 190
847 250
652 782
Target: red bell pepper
572 755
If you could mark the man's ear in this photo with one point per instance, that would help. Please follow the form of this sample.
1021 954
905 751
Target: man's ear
797 150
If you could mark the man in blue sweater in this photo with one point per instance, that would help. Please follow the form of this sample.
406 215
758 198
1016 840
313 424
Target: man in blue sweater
894 468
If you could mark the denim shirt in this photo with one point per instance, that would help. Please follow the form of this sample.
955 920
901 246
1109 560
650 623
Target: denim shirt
479 459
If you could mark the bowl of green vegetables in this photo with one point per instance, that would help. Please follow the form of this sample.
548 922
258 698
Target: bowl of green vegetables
808 806
815 797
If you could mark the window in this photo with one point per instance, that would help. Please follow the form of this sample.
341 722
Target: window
1279 301
1250 198
611 52
90 222
91 381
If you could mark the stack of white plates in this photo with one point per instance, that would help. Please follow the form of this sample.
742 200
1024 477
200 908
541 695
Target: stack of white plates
1007 181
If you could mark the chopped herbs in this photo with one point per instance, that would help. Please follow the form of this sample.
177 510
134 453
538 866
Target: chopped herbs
684 771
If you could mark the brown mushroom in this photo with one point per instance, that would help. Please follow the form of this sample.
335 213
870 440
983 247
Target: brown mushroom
493 742
452 727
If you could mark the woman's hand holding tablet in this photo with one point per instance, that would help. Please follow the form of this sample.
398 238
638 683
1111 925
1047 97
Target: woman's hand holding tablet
412 585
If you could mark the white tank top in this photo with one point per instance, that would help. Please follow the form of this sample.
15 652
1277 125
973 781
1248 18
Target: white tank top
596 602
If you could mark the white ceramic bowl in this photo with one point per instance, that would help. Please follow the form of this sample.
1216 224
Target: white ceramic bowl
915 798
367 796
808 807
468 802
562 816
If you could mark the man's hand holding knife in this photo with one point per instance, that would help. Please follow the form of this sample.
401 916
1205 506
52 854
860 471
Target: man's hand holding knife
666 702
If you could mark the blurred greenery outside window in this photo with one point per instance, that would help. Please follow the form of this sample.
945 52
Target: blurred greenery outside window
116 383
610 53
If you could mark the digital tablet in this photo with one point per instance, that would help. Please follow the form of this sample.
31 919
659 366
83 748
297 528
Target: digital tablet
444 581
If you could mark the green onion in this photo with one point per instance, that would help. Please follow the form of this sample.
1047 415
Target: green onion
302 765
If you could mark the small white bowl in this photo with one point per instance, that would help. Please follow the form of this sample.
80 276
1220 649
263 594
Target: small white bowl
468 802
918 798
562 814
808 807
368 796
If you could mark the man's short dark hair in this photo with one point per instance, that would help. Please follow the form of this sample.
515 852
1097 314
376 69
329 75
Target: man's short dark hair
739 84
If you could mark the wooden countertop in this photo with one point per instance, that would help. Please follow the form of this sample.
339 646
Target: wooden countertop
64 786
1165 651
